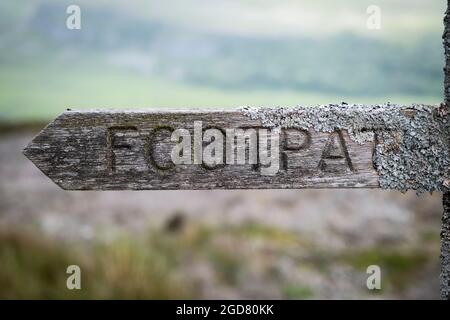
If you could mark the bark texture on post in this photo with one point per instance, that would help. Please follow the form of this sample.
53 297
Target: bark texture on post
445 232
445 248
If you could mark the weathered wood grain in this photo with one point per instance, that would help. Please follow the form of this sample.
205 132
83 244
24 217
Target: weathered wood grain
114 150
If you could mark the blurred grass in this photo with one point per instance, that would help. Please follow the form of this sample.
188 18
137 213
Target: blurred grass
399 266
161 264
33 267
297 292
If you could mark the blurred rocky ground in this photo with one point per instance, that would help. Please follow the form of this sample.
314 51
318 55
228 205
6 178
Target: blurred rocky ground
292 244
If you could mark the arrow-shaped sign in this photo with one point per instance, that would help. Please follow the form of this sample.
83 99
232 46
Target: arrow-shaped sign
328 146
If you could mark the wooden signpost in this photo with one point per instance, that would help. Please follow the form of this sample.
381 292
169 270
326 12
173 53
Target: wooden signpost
132 150
332 146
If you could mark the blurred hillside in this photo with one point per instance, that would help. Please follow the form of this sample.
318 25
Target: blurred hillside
209 53
211 244
293 244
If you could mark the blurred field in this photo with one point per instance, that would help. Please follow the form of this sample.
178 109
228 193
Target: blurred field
293 244
211 244
250 261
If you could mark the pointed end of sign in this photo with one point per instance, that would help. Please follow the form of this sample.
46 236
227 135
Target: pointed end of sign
47 153
33 149
31 152
27 151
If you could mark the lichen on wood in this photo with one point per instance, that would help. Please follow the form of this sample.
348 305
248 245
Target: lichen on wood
412 142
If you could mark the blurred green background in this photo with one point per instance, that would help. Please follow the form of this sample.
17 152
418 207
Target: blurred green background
292 244
166 54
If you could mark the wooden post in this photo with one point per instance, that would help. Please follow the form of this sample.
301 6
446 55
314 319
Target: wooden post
445 231
445 248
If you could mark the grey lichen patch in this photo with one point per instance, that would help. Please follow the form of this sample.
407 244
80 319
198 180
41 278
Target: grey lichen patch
412 142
